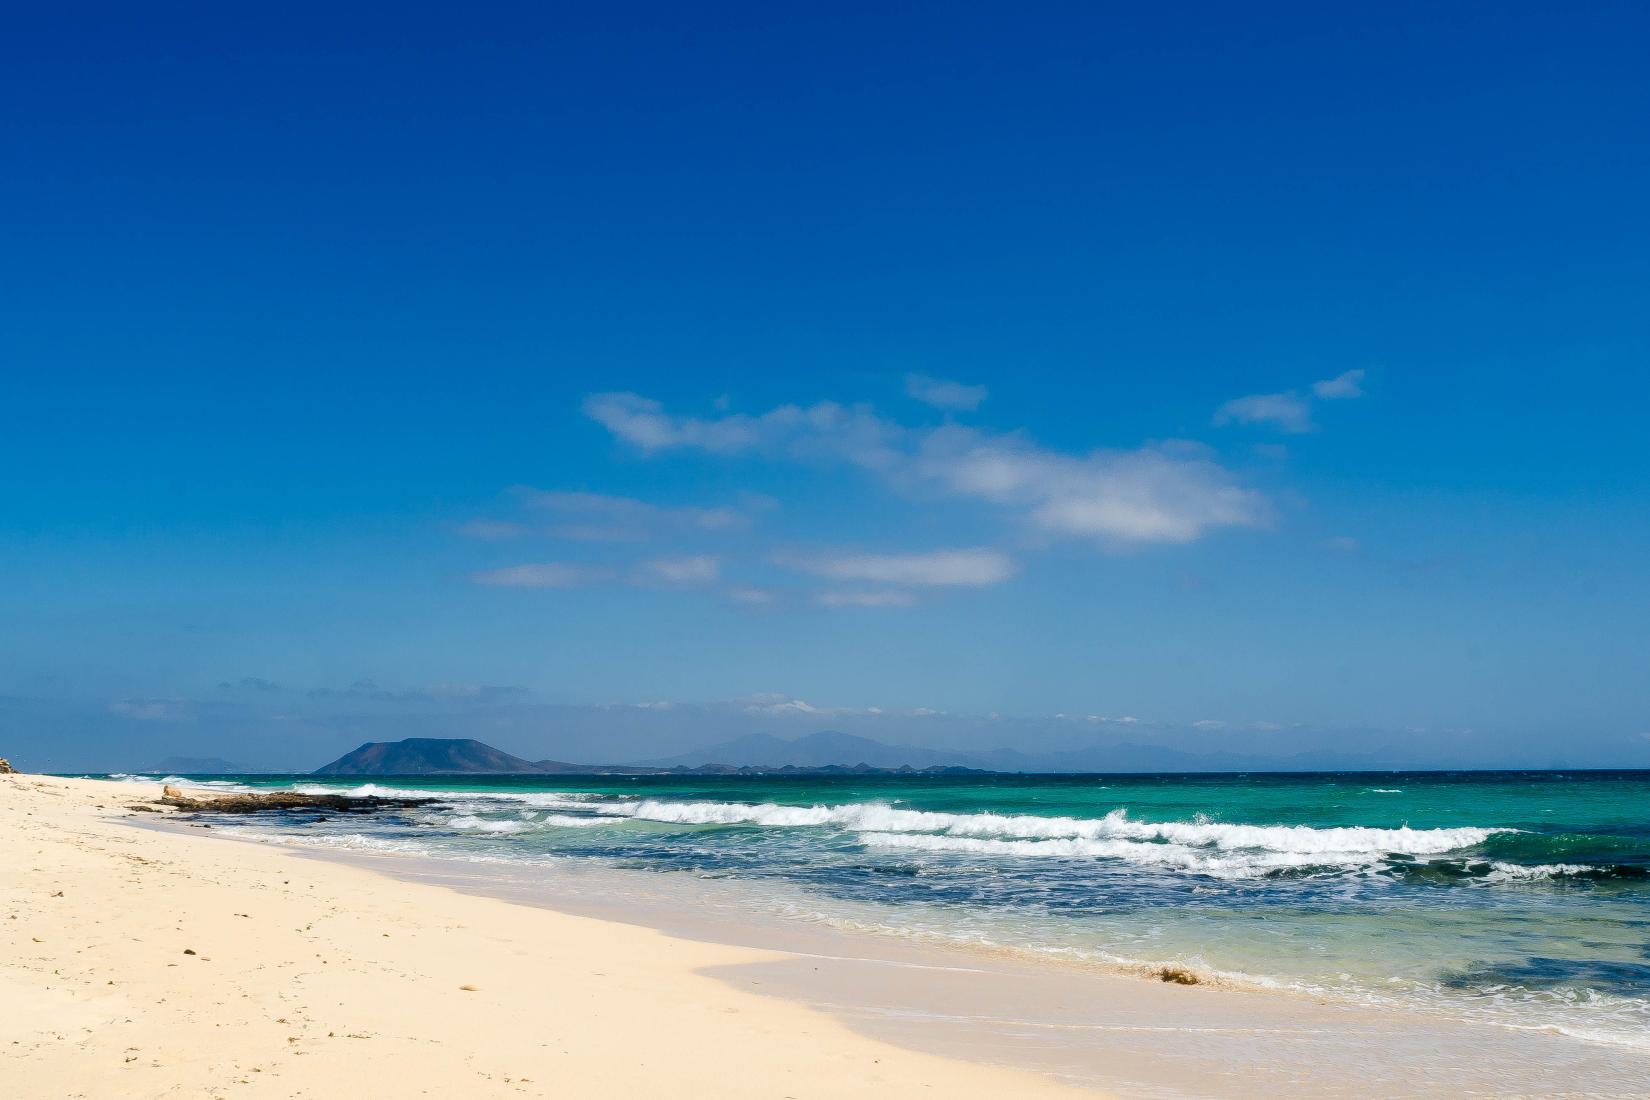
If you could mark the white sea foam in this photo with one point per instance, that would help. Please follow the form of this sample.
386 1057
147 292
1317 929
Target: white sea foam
568 821
1519 872
738 813
471 824
349 842
1188 844
373 790
1206 861
179 781
875 817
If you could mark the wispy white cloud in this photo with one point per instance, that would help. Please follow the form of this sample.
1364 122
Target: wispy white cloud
943 394
825 431
1166 492
598 517
778 703
644 423
550 574
1287 411
771 702
973 567
686 571
891 597
1347 384
1172 492
691 570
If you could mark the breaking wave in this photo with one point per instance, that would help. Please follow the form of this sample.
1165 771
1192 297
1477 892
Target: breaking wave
470 823
1199 846
1130 873
1116 825
177 781
1212 861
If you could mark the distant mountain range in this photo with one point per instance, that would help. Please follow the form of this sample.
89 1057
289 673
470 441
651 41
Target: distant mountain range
439 756
200 765
466 756
817 750
833 747
827 752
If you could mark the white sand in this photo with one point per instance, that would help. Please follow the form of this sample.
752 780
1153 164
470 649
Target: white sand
310 979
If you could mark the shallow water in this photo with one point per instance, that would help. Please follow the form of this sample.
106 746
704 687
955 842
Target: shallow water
1518 898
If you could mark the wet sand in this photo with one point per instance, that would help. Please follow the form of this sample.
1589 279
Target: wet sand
173 960
148 963
1085 1026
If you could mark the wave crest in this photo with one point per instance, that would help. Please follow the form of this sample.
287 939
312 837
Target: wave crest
1117 825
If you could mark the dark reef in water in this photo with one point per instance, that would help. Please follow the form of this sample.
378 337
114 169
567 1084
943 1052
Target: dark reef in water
1622 978
280 801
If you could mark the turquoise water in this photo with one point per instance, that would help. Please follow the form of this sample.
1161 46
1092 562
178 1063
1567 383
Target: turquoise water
1521 898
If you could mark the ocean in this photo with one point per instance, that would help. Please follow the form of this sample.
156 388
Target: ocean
1518 898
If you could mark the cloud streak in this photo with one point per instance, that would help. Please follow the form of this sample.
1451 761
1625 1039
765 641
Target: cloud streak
969 568
1165 493
549 574
151 710
1288 411
1342 386
686 571
1285 411
1161 493
598 517
943 394
643 423
693 570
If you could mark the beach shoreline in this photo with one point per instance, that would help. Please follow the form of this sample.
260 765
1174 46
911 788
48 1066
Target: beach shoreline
147 963
887 1017
1098 1027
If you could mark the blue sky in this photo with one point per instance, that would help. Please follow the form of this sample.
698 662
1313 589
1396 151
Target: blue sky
1269 378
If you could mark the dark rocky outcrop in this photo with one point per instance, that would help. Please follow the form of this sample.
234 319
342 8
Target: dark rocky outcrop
6 768
265 801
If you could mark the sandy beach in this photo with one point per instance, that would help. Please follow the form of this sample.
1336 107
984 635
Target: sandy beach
152 954
139 963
